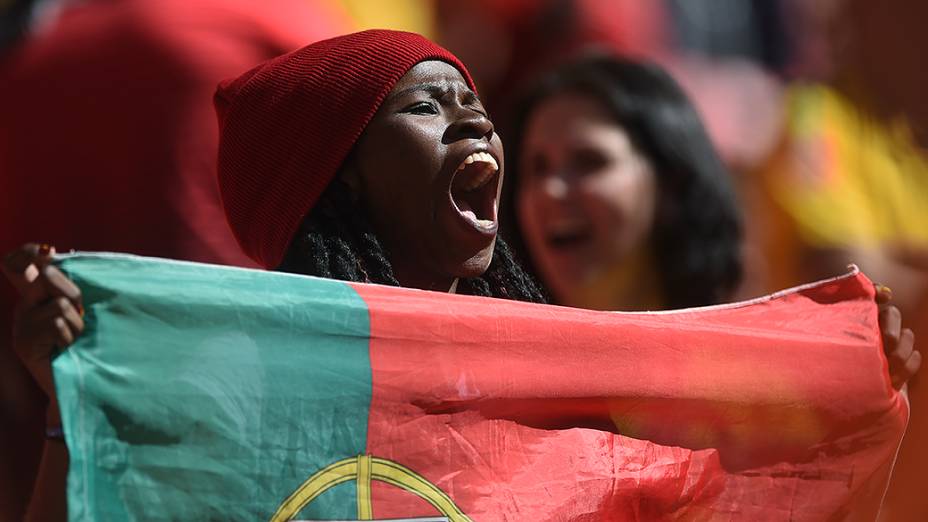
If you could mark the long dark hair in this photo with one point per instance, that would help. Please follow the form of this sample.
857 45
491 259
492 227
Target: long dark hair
697 232
336 241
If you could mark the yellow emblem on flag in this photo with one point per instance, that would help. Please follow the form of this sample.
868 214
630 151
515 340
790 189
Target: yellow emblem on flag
363 469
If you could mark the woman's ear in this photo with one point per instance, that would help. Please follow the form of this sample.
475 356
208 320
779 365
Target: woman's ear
350 175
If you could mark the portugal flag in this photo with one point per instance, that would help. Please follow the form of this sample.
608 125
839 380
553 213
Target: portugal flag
200 392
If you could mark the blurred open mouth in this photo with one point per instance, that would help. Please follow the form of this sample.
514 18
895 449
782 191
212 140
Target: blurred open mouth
568 235
475 191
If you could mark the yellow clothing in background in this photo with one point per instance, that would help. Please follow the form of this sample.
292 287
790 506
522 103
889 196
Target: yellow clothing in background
843 178
416 16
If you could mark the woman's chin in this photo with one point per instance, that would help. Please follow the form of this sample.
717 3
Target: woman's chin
476 265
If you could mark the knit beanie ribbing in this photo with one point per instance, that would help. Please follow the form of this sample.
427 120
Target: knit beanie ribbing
286 127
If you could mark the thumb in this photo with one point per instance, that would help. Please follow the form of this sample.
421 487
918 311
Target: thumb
23 265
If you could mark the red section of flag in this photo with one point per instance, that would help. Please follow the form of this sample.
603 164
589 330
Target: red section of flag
776 409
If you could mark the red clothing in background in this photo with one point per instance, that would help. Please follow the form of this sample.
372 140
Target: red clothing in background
109 137
108 141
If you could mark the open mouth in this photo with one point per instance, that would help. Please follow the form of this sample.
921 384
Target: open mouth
568 235
475 190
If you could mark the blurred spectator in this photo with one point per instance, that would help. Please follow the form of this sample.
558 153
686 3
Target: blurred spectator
849 180
621 199
850 189
109 142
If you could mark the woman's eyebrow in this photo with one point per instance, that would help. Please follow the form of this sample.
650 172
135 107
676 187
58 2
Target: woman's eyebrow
437 89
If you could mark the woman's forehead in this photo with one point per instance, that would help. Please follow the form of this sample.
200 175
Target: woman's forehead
567 112
430 74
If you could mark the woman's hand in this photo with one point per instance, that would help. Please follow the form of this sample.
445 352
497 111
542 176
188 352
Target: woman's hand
898 342
48 316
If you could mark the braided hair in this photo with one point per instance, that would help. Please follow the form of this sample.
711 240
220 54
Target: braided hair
335 241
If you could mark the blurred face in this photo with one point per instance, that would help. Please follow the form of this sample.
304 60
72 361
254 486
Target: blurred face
428 169
586 197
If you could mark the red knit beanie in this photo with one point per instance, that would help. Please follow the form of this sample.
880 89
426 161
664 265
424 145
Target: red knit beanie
286 126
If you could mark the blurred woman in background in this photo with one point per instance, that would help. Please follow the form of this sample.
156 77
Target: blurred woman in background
621 199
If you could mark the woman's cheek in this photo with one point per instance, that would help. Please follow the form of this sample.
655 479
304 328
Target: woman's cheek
601 199
527 209
531 222
622 207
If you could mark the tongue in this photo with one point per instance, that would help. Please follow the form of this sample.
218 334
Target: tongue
466 209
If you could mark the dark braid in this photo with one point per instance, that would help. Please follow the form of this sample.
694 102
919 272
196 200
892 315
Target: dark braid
336 241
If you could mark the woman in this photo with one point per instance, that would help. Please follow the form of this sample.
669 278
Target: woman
622 201
366 157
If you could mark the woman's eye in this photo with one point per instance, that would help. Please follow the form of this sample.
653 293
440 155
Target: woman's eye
538 166
422 108
586 161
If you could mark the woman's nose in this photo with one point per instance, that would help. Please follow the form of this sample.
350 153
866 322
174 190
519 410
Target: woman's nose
554 187
469 124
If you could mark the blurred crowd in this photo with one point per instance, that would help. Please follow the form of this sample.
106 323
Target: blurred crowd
660 154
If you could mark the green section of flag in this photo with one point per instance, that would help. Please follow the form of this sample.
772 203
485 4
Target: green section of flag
209 393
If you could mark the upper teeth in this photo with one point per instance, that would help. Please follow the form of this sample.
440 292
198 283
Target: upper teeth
484 175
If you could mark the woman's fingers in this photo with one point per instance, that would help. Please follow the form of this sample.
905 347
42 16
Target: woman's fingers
902 351
29 269
899 346
904 360
40 329
56 284
883 294
913 364
49 315
890 320
49 283
22 265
